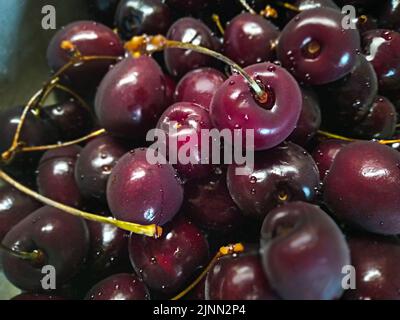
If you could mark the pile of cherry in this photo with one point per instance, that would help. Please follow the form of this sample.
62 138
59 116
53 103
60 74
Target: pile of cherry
324 192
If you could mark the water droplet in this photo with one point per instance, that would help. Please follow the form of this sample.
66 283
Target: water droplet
253 179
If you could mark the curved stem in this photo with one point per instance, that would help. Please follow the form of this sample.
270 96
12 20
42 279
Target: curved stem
247 6
218 23
288 6
64 144
35 255
230 249
339 137
149 230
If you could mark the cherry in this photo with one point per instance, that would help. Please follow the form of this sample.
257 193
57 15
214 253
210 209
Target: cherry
90 39
346 101
103 10
36 297
309 121
70 118
14 206
121 286
315 47
390 15
131 97
188 119
250 39
303 252
382 48
199 86
141 192
136 17
95 163
234 105
62 240
238 277
188 5
375 260
363 187
168 263
303 5
209 204
380 122
325 153
55 177
283 174
188 30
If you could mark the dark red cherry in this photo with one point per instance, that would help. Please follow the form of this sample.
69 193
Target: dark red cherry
235 106
188 120
250 39
390 15
90 39
14 206
36 297
303 5
122 286
136 17
375 260
309 121
141 192
382 49
199 86
95 163
380 122
283 174
239 277
131 98
363 187
188 5
188 30
108 249
209 204
70 118
62 238
103 10
346 102
325 153
315 48
55 178
167 264
303 252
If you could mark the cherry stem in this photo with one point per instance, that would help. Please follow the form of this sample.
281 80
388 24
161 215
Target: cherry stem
34 256
149 44
147 230
218 23
287 5
223 251
247 6
339 137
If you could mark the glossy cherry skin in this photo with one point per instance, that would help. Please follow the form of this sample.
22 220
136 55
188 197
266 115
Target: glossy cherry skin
346 102
303 252
188 5
90 39
283 174
315 48
141 192
390 15
71 119
190 119
376 261
309 121
188 30
63 238
250 39
95 163
313 4
380 122
55 178
108 249
238 277
36 297
234 106
325 153
122 286
136 17
199 86
363 187
208 203
167 264
382 49
131 98
14 206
